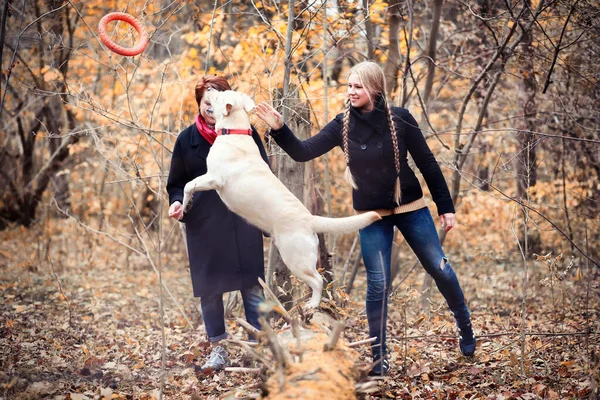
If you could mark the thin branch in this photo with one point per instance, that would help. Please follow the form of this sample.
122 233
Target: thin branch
557 48
210 35
563 234
499 334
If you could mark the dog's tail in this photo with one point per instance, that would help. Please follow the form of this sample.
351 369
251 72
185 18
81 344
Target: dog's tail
345 224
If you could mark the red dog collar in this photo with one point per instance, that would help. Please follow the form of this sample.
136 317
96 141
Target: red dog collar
235 132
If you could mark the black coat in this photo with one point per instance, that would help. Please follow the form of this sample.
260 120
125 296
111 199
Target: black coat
372 157
225 252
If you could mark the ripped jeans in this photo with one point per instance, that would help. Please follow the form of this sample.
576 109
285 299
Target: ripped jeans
420 233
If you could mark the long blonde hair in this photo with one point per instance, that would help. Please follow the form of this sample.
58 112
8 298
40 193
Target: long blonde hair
372 80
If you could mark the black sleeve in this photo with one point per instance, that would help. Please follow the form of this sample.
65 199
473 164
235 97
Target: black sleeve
178 175
321 143
260 145
427 164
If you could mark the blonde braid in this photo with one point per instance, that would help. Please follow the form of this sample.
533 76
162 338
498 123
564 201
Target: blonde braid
345 129
388 113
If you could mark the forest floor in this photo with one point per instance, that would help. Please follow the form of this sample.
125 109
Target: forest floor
80 318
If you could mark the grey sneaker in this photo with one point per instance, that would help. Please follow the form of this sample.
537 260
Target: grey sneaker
217 360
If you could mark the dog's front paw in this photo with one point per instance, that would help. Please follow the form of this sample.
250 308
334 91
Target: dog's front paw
188 195
187 203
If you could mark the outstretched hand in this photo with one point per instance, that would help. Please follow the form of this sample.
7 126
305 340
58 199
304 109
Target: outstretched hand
269 115
176 211
448 221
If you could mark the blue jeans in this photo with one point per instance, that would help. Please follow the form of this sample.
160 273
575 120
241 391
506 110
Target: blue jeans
420 233
213 312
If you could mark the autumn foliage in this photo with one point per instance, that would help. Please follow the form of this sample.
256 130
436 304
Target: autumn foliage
93 270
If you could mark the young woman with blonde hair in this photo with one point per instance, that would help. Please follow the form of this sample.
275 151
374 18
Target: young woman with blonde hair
376 139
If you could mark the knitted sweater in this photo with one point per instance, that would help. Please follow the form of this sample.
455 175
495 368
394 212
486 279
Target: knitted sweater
372 157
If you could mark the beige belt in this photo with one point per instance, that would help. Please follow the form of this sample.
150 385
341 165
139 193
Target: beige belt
402 208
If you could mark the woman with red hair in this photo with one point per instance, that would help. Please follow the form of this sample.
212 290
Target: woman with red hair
225 252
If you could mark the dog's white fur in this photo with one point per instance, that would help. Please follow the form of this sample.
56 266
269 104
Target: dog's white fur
248 187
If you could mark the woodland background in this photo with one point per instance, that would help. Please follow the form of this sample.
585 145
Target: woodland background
94 286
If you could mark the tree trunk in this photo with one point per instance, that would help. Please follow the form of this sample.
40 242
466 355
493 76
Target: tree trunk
25 181
431 49
431 53
3 18
291 174
407 60
392 64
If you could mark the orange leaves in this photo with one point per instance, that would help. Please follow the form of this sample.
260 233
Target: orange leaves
51 74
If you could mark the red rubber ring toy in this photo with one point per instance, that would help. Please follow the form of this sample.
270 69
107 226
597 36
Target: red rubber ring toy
124 51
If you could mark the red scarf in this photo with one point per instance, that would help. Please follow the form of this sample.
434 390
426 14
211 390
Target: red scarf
206 131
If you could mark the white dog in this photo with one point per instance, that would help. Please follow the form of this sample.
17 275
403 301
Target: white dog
247 186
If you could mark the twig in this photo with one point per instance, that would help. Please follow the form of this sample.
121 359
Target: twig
488 335
403 279
243 370
60 289
282 357
334 336
308 375
255 354
350 253
353 275
296 333
367 387
249 328
270 293
563 234
361 342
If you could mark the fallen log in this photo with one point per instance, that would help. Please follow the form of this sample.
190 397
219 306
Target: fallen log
310 359
332 373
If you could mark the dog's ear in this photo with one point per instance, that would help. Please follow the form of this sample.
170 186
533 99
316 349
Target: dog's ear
248 103
228 107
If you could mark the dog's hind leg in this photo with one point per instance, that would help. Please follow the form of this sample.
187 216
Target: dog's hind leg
203 182
299 252
315 281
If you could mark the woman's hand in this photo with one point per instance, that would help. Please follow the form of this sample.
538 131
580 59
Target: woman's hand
448 221
176 211
269 115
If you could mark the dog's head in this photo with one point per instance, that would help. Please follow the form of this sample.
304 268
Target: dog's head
226 103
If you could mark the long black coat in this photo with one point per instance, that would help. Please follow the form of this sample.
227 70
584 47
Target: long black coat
225 252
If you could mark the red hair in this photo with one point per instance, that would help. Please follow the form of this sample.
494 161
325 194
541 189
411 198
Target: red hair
214 82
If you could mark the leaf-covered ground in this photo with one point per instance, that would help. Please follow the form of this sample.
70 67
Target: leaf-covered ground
80 318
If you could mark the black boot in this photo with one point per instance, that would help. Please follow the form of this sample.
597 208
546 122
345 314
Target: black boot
466 340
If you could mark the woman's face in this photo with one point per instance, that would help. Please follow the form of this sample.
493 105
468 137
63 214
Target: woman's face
359 98
206 110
